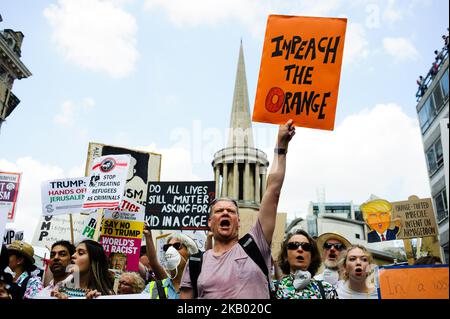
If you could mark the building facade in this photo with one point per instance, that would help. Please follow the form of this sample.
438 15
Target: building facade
431 109
11 69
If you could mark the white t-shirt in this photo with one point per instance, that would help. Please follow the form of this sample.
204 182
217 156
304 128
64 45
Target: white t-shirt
344 292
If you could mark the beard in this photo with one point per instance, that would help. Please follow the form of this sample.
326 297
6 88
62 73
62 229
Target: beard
331 264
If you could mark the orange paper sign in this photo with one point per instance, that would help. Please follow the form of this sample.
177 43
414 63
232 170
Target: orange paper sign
413 282
300 71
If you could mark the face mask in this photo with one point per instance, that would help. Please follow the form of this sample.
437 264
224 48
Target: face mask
330 276
301 279
173 258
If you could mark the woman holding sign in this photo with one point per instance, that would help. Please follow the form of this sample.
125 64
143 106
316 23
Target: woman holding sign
356 263
177 250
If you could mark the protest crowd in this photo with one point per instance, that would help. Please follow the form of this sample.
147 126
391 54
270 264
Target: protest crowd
326 267
123 205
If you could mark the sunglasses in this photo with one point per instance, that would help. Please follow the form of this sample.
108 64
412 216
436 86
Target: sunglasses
336 246
177 246
295 245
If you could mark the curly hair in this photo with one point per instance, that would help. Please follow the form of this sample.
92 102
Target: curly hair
315 254
138 284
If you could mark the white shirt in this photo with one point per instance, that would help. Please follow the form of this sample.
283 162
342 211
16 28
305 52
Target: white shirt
345 292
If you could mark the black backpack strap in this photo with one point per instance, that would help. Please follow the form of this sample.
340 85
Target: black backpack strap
322 290
195 267
252 250
248 243
159 286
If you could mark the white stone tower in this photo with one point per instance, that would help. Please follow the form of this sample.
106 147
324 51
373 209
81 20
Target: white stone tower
240 169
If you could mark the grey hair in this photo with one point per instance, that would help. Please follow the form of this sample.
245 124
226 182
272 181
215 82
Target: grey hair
186 241
138 284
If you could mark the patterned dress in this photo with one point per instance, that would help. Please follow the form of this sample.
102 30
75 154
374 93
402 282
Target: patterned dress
284 289
34 285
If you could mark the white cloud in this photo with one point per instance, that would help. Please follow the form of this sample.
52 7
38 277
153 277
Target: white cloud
70 110
378 151
176 163
66 115
400 48
96 35
29 199
392 13
356 44
251 13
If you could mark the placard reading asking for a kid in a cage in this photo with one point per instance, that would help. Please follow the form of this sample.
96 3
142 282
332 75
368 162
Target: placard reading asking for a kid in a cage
179 205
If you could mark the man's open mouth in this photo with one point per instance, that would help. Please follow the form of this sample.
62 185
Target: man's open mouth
225 223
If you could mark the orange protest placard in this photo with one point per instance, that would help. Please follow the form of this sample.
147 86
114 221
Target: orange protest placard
414 282
300 71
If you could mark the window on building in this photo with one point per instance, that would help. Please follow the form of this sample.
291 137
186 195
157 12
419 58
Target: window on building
427 113
357 236
440 200
435 157
444 85
438 97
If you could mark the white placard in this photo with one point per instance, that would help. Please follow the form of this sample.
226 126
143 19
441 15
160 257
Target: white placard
63 196
107 180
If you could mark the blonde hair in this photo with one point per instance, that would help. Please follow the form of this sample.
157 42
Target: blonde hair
375 206
343 257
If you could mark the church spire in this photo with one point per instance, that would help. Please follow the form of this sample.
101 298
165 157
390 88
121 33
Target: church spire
241 134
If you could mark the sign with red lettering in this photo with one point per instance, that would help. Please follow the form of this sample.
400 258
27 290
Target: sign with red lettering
300 71
9 190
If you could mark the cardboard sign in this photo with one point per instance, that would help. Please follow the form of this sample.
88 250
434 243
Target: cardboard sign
107 181
53 228
248 219
179 205
144 167
121 237
417 218
63 196
9 190
11 235
88 227
413 282
300 71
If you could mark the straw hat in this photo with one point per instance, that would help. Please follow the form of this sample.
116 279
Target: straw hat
22 248
322 239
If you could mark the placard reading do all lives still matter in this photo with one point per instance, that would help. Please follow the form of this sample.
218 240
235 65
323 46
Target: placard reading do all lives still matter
179 205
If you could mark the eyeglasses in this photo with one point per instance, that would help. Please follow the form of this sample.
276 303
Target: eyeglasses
295 245
337 246
177 246
124 283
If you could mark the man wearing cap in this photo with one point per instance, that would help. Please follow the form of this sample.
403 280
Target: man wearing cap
21 262
331 246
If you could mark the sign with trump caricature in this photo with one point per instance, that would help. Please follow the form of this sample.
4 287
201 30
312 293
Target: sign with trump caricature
413 218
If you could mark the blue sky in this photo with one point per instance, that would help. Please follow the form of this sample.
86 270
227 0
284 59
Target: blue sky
159 75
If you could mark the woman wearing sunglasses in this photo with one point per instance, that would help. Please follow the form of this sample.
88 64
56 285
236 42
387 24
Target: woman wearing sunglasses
299 260
177 250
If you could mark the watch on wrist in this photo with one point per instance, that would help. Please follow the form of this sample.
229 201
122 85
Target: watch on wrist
280 150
